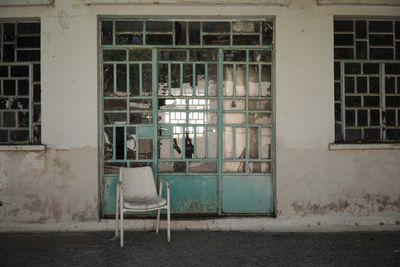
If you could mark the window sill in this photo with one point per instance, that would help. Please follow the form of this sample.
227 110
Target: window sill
22 147
334 146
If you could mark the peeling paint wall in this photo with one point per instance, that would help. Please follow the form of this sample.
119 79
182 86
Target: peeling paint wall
312 183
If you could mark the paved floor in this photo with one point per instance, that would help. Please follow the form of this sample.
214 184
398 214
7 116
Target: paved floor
200 249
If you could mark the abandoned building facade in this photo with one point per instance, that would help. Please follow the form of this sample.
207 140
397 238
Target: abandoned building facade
288 110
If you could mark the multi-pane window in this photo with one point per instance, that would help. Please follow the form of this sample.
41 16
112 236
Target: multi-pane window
19 82
367 80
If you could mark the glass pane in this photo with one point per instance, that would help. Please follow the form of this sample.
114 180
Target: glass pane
260 56
113 167
200 80
266 80
175 79
212 143
108 79
203 167
108 145
131 143
260 118
147 79
140 104
114 55
234 167
228 80
240 143
145 148
240 80
234 118
140 118
253 143
114 104
259 105
266 141
259 167
187 79
121 80
172 117
134 83
140 55
200 142
115 118
228 142
234 104
253 80
165 148
106 32
177 142
212 80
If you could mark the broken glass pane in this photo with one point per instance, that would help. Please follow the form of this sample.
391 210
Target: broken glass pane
28 55
268 33
253 143
119 142
140 118
240 142
108 79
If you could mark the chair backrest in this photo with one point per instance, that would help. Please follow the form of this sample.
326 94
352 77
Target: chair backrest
138 183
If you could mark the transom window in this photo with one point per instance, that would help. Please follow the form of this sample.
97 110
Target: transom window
20 82
367 80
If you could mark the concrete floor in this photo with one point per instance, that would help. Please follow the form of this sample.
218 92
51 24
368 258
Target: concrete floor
190 248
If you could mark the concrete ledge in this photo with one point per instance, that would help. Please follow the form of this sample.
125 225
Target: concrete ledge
22 148
364 146
360 2
223 224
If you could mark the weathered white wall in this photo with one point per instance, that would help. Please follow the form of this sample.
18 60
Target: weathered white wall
313 184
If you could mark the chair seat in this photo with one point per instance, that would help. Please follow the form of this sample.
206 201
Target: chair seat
143 204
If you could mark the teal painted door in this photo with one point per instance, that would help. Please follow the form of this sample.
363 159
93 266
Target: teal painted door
196 106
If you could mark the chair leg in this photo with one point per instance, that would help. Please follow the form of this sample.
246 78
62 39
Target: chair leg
122 222
168 224
116 215
158 220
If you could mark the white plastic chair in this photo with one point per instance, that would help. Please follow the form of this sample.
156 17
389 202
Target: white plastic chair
136 192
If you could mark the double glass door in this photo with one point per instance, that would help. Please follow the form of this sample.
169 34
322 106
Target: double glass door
201 117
